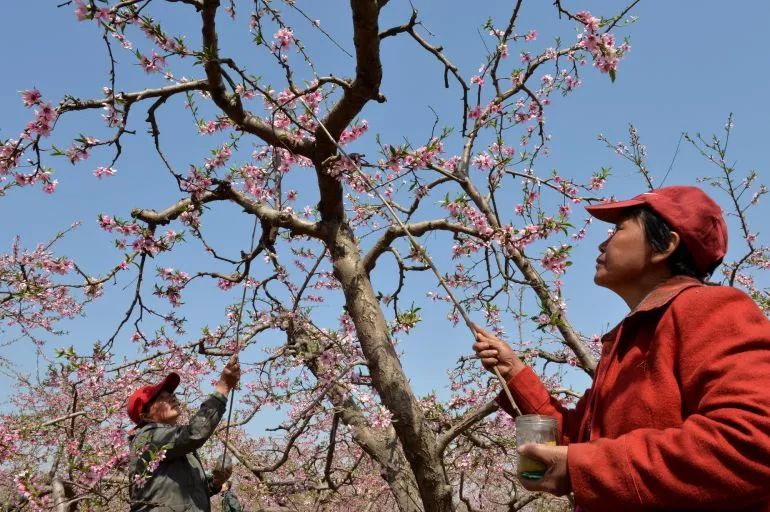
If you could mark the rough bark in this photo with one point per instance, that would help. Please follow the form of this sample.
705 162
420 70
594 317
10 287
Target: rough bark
388 377
59 495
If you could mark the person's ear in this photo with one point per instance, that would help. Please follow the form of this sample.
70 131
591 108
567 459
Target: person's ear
673 243
146 414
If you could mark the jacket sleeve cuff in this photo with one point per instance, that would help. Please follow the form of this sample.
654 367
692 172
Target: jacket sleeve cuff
528 392
599 476
219 396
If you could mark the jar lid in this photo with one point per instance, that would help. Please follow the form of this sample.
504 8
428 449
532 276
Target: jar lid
534 419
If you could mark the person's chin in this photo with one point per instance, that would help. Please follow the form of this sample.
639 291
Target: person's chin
599 278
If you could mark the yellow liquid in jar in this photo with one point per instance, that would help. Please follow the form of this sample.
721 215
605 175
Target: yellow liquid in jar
529 468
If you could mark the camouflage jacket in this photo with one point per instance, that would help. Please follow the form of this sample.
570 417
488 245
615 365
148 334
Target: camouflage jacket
165 472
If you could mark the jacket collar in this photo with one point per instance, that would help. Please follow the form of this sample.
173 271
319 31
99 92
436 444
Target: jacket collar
658 298
664 293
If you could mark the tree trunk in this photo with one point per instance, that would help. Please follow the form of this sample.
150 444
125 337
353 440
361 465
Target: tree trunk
59 495
417 440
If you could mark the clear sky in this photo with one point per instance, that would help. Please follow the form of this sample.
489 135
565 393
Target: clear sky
691 64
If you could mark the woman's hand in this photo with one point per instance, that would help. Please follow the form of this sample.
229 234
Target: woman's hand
556 479
495 352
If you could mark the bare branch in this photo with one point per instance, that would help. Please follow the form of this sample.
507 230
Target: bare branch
231 104
225 192
437 51
63 418
366 84
465 423
504 38
417 229
72 104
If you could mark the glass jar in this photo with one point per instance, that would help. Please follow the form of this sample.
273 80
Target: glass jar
534 428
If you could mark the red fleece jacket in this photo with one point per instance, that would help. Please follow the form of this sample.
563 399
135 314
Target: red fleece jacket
678 417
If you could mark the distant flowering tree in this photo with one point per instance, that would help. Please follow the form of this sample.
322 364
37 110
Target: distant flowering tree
355 435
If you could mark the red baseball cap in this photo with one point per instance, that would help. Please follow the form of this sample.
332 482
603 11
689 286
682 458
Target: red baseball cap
146 394
687 210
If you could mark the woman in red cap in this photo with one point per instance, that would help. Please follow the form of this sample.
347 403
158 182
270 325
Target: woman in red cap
678 416
165 471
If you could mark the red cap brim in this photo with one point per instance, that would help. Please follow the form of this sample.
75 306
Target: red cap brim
612 212
170 383
145 395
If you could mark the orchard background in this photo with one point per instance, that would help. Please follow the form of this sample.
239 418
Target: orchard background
181 179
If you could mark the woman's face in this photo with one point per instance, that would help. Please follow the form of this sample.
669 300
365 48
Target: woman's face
624 258
164 409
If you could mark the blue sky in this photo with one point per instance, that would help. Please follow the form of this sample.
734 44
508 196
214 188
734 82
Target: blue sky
691 64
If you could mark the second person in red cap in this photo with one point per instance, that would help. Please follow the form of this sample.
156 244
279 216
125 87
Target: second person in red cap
165 471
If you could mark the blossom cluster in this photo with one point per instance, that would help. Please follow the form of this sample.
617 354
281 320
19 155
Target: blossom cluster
601 45
33 299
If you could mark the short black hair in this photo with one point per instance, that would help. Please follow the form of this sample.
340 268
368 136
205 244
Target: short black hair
658 235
